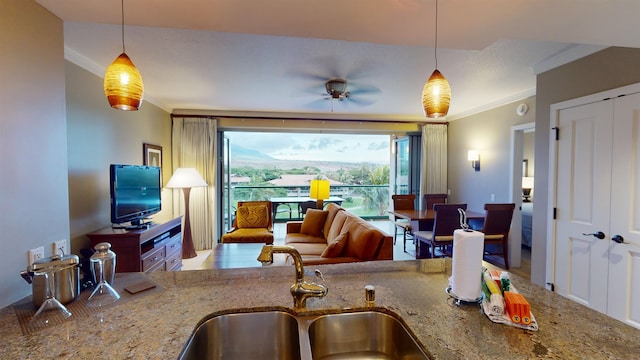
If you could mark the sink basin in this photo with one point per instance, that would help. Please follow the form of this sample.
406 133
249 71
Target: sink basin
276 334
362 335
252 335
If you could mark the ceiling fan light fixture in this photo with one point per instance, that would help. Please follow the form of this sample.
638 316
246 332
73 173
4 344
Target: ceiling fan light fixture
337 88
122 81
436 96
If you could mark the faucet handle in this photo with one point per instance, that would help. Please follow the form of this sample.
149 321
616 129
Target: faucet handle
319 276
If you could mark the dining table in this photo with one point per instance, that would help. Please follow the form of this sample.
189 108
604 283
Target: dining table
422 220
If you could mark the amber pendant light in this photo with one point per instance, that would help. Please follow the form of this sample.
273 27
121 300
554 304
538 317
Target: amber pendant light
436 94
122 81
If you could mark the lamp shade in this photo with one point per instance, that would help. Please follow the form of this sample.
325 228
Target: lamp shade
186 178
527 182
473 155
436 96
123 84
319 189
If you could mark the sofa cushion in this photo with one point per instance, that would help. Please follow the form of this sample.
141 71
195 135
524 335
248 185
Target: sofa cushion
248 235
310 260
363 240
336 248
313 222
336 226
254 216
333 210
310 248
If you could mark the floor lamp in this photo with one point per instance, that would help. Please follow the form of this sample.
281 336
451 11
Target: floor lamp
185 179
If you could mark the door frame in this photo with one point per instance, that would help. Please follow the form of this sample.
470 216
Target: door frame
515 191
550 271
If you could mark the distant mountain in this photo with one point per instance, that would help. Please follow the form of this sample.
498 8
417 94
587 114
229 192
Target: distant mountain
240 153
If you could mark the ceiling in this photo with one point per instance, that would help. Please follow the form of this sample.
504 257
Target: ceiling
274 56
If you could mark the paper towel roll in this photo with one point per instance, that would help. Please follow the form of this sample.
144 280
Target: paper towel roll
466 271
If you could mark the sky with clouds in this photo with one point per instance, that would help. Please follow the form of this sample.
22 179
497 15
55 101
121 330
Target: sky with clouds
316 147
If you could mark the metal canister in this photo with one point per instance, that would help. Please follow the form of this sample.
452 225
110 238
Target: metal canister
66 272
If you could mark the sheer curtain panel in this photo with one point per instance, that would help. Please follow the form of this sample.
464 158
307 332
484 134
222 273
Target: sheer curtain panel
194 146
433 177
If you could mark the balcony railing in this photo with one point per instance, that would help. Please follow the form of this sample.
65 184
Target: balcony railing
366 201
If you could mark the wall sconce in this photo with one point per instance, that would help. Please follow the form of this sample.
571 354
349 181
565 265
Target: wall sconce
474 157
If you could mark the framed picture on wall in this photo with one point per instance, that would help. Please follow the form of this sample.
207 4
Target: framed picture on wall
152 155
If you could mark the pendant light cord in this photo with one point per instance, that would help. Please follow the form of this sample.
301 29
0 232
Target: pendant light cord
122 24
436 42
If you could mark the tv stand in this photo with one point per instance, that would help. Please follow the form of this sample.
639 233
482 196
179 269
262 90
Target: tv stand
156 247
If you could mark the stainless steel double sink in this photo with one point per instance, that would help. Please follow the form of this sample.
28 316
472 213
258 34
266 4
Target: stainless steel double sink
280 334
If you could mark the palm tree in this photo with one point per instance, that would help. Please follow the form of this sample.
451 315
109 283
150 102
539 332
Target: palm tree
377 197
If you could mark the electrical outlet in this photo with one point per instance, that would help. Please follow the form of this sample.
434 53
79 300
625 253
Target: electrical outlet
493 197
35 254
60 247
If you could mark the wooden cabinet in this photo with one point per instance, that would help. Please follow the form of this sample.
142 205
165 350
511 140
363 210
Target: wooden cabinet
156 248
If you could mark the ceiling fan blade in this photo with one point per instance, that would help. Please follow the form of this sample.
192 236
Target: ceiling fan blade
363 69
360 101
356 89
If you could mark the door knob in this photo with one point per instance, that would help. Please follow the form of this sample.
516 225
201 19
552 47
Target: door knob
599 234
619 239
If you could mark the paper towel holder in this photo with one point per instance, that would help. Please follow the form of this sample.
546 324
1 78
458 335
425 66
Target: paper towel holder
460 301
463 220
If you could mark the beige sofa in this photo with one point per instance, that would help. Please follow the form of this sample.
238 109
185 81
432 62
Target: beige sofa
336 235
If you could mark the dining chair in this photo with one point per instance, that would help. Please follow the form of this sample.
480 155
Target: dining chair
430 199
403 202
497 223
446 220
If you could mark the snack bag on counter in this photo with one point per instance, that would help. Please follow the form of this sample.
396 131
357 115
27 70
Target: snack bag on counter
517 307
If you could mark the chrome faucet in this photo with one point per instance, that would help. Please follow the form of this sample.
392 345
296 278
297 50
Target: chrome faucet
300 290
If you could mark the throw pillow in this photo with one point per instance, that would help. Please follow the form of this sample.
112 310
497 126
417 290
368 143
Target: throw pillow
256 216
313 222
336 248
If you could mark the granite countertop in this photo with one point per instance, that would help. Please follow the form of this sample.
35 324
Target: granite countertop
156 325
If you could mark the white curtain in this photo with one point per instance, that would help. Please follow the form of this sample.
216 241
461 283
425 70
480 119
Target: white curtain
194 145
433 177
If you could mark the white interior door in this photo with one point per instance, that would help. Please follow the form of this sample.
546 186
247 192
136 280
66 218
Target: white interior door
624 258
598 192
583 185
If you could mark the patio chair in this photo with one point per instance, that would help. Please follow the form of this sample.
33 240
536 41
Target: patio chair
306 206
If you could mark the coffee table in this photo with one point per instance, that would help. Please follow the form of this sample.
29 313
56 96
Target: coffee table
234 255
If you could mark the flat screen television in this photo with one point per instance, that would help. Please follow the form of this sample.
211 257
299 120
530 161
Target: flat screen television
135 194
